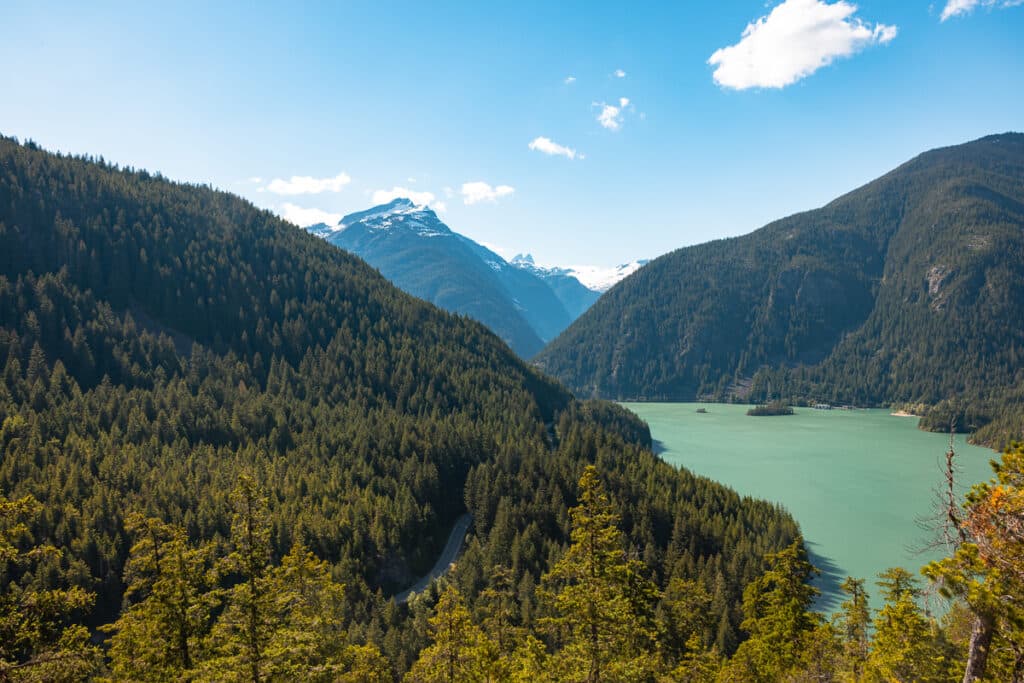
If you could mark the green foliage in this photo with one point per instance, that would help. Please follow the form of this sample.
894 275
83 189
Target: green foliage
601 602
853 626
904 646
459 650
909 289
161 630
986 570
157 340
37 642
773 409
777 615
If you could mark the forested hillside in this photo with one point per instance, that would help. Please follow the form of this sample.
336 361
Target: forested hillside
162 342
907 290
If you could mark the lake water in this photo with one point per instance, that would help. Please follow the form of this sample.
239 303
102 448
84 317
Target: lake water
857 481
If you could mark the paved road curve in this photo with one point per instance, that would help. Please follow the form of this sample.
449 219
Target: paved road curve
448 555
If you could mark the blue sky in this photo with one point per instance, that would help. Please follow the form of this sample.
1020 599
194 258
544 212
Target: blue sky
342 102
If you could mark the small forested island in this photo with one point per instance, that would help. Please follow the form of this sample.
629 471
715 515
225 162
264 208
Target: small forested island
771 409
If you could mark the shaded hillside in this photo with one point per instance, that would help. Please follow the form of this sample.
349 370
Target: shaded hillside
909 289
157 340
576 297
422 256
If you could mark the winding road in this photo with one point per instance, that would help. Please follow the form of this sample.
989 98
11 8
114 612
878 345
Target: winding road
447 557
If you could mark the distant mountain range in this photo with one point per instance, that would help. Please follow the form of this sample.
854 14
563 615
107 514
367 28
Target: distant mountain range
909 289
524 304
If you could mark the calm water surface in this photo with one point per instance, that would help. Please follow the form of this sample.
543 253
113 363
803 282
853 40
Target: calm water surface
857 481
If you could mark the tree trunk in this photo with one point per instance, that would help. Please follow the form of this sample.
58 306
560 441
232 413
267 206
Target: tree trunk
977 653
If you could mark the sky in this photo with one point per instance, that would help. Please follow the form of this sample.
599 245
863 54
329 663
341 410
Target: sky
582 132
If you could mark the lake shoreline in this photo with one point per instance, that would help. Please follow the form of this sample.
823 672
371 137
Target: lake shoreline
856 481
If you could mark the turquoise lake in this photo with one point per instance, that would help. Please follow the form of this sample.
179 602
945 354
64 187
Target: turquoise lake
857 481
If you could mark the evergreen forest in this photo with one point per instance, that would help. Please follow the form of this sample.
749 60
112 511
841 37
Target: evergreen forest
226 444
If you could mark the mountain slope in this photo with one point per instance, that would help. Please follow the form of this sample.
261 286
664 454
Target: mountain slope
159 339
422 256
909 289
573 294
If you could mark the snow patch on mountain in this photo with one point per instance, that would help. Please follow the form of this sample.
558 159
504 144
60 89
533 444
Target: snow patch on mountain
596 278
398 214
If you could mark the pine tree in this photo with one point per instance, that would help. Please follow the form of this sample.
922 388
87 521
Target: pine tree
684 621
36 644
777 615
459 651
986 570
243 630
601 602
159 633
853 624
903 648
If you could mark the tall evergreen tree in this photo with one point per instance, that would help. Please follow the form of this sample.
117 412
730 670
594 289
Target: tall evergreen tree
459 650
36 641
853 623
159 635
778 619
601 603
903 649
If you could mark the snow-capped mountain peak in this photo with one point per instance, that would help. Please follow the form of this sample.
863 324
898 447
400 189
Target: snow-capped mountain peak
400 213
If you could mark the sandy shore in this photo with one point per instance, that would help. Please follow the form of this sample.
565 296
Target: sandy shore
903 413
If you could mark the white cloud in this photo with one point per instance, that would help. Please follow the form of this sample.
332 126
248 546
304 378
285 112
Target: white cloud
303 217
305 184
619 73
420 198
796 39
479 191
611 116
569 80
955 8
550 147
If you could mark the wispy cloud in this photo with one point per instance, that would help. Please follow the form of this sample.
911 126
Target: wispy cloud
794 40
955 8
304 217
304 184
422 198
569 80
479 191
548 146
610 116
619 73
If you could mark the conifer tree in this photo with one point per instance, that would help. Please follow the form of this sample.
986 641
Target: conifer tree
459 651
853 624
243 630
777 615
903 648
36 642
159 634
986 570
601 603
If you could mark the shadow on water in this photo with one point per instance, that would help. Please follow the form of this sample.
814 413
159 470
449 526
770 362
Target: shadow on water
827 582
658 447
